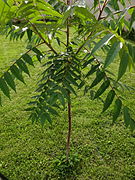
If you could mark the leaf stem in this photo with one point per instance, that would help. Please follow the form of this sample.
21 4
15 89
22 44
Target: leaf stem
48 44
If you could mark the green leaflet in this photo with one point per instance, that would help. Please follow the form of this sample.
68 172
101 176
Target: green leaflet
8 78
88 62
64 93
4 88
33 116
23 66
115 48
29 34
81 84
127 119
92 70
58 40
123 64
52 111
74 74
132 124
48 117
42 118
98 78
45 116
102 88
117 109
17 73
108 100
37 51
53 98
70 89
84 13
61 99
102 42
71 80
28 59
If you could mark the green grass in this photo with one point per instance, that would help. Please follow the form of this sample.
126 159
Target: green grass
28 151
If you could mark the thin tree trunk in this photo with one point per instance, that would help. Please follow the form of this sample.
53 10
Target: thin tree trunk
69 103
69 129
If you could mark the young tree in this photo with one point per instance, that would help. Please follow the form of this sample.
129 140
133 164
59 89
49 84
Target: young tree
86 31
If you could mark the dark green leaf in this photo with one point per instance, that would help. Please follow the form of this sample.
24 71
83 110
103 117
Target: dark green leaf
4 87
52 111
74 74
48 117
69 87
37 51
123 64
58 41
92 70
43 118
71 80
117 109
88 62
115 48
29 34
132 124
108 100
22 66
39 58
98 78
53 98
81 84
62 100
65 93
33 117
102 89
17 73
127 117
8 78
28 59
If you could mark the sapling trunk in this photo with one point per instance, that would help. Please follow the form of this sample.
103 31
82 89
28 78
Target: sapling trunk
69 103
69 129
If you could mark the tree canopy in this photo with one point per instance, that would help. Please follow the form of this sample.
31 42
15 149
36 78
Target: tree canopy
71 35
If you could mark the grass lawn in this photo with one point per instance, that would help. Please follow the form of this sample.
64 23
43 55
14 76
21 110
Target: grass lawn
28 151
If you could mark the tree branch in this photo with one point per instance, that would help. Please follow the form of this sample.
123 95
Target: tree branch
102 9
